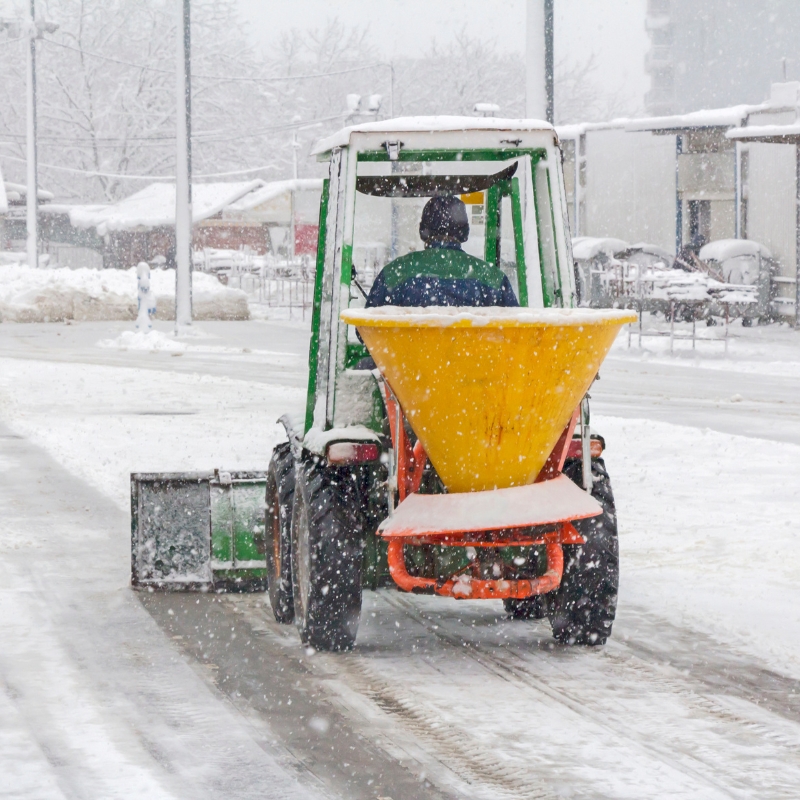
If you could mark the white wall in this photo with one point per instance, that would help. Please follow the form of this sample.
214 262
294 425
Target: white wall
771 201
630 187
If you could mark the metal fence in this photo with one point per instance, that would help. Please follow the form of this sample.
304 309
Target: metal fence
268 280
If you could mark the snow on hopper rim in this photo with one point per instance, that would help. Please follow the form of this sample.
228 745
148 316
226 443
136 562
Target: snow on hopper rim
493 317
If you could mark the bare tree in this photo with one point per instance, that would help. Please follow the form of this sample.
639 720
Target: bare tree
106 83
107 92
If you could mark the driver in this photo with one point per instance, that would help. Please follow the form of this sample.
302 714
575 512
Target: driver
442 274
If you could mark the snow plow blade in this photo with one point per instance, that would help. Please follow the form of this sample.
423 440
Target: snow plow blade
488 391
198 531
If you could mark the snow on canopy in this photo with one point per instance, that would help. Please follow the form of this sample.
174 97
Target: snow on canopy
154 206
653 250
706 118
723 249
16 191
269 191
780 134
587 247
574 130
428 124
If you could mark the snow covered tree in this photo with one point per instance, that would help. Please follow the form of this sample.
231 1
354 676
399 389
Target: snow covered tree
106 93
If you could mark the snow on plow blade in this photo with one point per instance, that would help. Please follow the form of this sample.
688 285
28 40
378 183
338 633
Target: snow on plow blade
198 531
488 391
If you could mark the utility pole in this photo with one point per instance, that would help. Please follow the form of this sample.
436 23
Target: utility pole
540 61
183 177
31 201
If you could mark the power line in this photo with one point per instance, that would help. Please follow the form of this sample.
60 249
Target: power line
94 174
227 78
203 137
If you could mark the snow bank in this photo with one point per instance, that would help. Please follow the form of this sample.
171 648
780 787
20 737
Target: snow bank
54 295
139 340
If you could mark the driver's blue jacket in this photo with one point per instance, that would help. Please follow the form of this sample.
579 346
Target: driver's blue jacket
441 276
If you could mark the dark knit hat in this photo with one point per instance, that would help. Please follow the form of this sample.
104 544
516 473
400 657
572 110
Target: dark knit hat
444 219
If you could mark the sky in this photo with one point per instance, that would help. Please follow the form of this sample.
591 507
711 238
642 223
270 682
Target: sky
611 29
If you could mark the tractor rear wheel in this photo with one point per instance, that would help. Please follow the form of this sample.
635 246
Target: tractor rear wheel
583 608
326 555
530 608
278 529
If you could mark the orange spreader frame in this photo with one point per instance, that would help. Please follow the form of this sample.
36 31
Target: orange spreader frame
410 464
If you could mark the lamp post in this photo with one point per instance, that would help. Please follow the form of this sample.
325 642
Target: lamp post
30 29
31 201
540 96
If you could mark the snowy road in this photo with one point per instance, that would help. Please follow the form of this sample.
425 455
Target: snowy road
112 694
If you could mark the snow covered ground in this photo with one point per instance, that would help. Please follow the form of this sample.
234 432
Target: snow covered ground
697 693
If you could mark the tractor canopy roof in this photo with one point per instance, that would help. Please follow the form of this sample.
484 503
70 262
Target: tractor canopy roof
444 131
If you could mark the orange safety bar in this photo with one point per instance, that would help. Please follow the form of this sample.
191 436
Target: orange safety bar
467 587
410 461
555 461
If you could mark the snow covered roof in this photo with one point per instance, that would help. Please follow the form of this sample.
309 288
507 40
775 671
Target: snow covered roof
723 249
706 118
777 134
428 125
154 206
578 129
586 247
16 191
269 191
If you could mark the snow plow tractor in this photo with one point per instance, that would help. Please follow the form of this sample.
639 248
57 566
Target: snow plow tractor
444 450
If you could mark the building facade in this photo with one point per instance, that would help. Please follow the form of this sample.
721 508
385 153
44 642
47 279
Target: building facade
717 53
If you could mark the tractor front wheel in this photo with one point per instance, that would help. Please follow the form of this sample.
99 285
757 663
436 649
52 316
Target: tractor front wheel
583 608
278 526
326 555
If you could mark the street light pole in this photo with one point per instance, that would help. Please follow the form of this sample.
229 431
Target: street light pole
31 201
183 176
539 60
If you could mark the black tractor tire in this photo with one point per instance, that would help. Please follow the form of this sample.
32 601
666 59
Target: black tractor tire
278 532
530 608
327 544
583 608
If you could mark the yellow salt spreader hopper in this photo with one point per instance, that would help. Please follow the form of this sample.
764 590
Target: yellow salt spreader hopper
492 397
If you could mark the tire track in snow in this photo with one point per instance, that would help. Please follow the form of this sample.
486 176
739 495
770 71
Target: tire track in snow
511 666
456 749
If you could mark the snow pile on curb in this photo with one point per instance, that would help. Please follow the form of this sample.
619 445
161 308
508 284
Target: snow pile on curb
139 340
55 295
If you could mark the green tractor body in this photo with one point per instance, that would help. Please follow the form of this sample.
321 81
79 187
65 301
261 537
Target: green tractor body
334 481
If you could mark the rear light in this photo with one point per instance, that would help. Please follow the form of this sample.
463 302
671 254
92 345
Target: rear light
352 452
596 447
